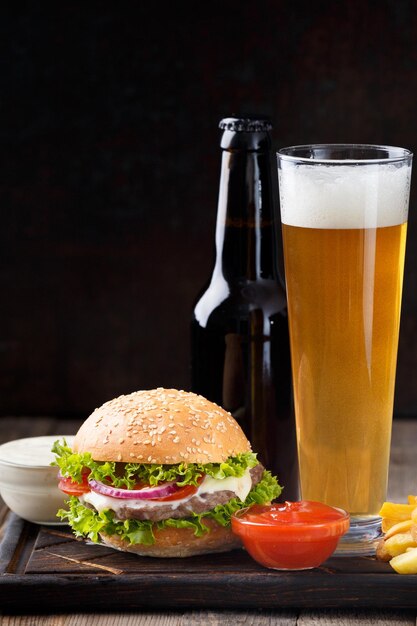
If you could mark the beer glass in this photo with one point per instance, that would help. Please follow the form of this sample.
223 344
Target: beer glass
344 221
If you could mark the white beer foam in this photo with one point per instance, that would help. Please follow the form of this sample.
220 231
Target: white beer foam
344 196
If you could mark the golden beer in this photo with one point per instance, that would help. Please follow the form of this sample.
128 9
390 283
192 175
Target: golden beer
344 295
344 212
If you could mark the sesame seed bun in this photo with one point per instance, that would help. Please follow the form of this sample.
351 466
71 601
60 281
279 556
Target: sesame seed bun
162 426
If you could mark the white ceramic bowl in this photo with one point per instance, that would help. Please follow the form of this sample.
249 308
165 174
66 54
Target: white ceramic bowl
28 483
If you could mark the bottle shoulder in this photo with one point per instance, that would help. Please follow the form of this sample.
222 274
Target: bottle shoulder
239 298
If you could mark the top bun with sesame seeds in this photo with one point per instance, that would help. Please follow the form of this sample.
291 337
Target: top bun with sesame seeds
164 426
160 473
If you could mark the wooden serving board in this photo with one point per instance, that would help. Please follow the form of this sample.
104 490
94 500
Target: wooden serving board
45 569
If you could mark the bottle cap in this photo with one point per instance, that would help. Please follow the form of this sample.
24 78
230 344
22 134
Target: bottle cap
245 124
245 134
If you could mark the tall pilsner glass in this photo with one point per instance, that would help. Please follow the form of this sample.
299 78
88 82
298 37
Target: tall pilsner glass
344 220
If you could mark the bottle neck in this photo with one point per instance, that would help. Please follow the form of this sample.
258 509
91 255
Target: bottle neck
245 227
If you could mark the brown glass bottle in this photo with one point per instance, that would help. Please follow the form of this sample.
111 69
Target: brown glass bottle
240 355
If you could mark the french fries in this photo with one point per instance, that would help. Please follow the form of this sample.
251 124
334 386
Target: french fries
392 513
405 563
399 527
399 545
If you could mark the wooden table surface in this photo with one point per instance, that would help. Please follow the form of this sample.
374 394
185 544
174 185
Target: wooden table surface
402 481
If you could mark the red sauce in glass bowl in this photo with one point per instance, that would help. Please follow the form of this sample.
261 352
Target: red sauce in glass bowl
291 535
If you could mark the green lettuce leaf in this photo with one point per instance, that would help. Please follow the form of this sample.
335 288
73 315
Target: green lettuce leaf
89 523
126 475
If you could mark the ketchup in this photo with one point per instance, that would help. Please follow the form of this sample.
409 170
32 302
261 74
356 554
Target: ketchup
291 535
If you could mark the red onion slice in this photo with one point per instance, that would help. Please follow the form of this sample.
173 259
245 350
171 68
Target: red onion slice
147 493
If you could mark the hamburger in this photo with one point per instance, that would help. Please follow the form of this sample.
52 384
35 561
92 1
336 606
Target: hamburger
159 473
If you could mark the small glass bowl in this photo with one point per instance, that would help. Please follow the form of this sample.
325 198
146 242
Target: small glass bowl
292 535
28 483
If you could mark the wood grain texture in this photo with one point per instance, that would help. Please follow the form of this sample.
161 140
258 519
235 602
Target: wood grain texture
220 618
402 480
49 567
356 618
189 618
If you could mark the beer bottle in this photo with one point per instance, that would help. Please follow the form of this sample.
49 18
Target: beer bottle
240 355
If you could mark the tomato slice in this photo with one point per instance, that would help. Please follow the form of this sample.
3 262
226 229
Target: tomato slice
72 488
183 492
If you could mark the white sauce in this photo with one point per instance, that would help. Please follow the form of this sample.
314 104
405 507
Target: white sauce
342 196
28 482
240 486
31 451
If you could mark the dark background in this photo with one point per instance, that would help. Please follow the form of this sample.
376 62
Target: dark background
110 167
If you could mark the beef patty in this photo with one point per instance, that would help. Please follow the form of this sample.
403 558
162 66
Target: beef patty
196 504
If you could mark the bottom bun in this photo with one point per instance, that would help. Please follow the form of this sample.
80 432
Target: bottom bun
179 542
